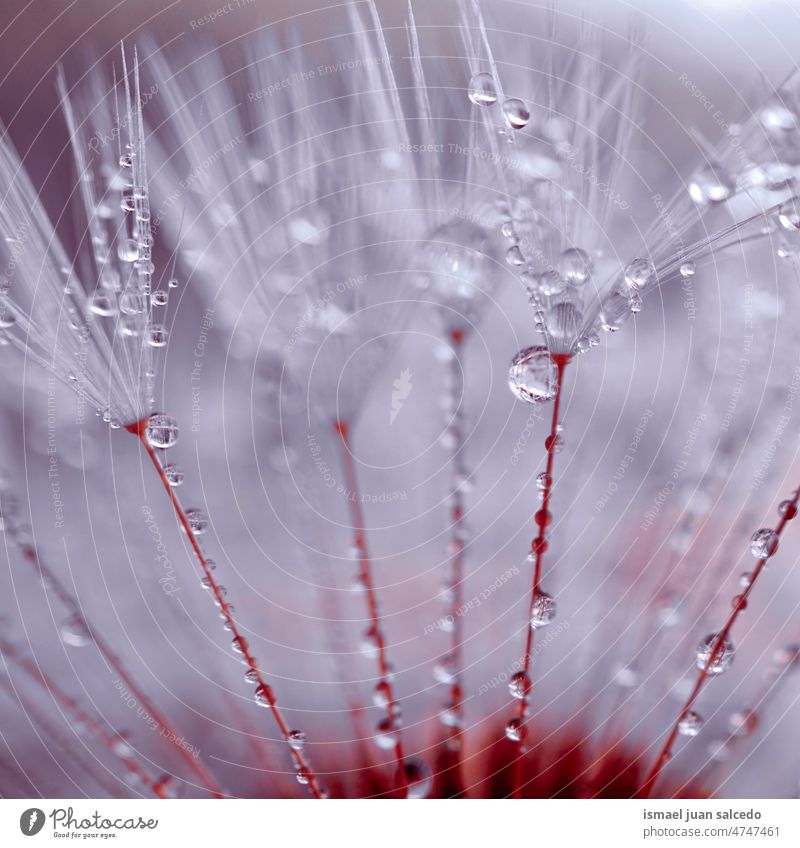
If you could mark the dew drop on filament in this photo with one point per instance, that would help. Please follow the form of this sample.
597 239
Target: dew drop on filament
482 90
533 376
75 633
690 725
161 431
516 113
543 611
764 543
386 734
723 657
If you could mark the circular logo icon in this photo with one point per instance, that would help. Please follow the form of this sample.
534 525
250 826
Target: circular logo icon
31 821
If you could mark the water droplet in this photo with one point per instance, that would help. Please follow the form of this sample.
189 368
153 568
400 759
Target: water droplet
514 256
126 160
128 250
543 480
764 543
197 520
102 305
690 725
381 694
787 510
173 283
745 579
263 696
159 298
533 375
482 90
778 119
710 185
519 685
75 633
174 474
162 430
544 610
575 266
688 269
251 676
418 778
450 716
239 645
615 310
157 335
515 730
296 740
516 113
789 214
723 658
369 642
386 734
639 275
446 670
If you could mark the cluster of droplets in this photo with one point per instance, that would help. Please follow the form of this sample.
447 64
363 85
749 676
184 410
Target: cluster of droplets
483 92
447 670
161 433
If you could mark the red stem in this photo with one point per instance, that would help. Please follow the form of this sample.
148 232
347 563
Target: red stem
33 714
665 755
539 547
303 767
80 715
365 576
164 726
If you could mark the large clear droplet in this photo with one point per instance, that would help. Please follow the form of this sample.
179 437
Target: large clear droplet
197 520
723 658
575 266
161 431
482 90
764 543
615 310
533 376
640 275
174 474
543 611
516 113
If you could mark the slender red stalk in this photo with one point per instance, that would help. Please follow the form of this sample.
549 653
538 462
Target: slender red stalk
304 770
32 712
740 602
80 715
539 547
365 577
114 661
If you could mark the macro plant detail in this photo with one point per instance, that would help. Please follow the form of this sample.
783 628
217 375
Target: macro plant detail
471 330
